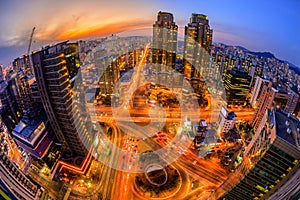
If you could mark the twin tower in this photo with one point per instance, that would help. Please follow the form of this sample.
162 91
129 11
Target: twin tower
197 42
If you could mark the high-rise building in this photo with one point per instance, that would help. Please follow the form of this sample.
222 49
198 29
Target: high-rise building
270 161
10 112
109 71
164 41
237 85
24 97
34 133
269 97
280 97
292 101
164 47
36 96
1 72
23 63
219 60
264 102
197 44
14 183
226 120
55 69
18 84
257 91
256 70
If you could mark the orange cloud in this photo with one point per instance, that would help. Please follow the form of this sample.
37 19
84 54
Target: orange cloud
103 29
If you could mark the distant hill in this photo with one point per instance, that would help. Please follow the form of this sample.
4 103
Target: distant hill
270 55
294 68
263 54
242 48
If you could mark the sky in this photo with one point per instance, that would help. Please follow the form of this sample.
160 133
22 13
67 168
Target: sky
269 25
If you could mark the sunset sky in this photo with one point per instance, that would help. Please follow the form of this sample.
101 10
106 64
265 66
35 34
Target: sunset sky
257 25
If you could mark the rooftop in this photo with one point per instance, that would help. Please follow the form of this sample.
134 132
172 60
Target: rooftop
26 130
281 89
287 127
226 114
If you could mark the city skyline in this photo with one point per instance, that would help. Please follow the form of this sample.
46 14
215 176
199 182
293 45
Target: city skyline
141 117
233 23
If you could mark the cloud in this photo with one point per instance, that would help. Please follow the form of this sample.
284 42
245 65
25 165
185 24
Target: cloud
102 29
56 20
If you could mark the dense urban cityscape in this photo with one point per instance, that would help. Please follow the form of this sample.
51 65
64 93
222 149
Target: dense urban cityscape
168 115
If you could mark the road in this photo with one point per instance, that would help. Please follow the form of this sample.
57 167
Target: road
108 175
125 179
210 174
109 178
117 184
115 177
207 172
173 114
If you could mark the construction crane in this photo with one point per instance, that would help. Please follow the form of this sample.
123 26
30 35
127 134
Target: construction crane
30 41
28 69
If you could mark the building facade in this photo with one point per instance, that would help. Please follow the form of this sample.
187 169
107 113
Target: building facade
264 102
14 183
237 86
269 97
226 120
9 111
270 160
55 68
257 91
164 41
23 63
34 134
292 101
290 190
197 43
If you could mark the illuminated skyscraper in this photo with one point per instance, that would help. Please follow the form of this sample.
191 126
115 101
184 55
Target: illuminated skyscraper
9 96
257 91
237 86
24 97
164 47
164 40
23 63
264 101
197 42
272 97
55 68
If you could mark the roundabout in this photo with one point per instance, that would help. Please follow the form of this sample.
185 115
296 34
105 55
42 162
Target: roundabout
156 174
158 182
